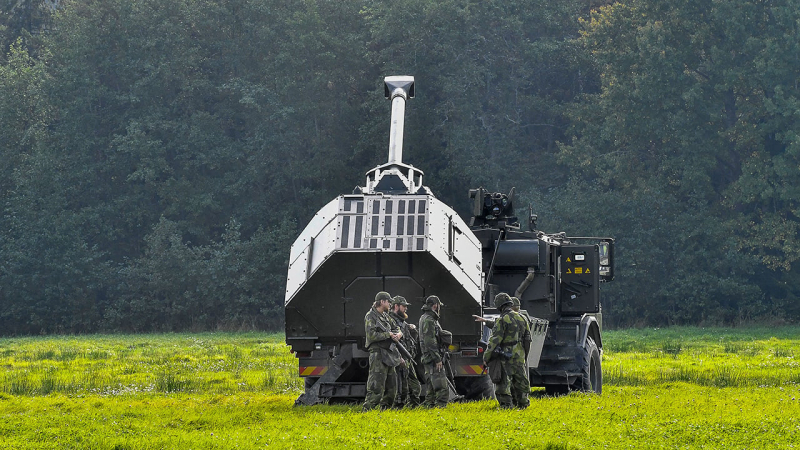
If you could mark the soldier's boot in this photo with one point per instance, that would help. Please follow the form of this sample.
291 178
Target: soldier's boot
504 400
414 398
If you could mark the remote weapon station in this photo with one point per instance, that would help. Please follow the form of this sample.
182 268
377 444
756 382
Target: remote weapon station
394 235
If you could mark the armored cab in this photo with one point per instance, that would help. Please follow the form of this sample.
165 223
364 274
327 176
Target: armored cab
557 280
393 235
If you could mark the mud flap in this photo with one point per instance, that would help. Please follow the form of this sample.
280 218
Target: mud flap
312 394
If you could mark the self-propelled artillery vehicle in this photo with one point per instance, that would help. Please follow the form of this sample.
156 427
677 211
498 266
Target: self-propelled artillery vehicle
394 235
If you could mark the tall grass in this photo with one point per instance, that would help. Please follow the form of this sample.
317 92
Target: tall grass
125 364
704 357
221 363
676 388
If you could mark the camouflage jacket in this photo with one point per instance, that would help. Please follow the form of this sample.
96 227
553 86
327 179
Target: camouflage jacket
410 338
380 340
490 322
509 334
430 341
376 336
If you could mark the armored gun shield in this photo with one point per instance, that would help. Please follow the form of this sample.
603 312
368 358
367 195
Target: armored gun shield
357 245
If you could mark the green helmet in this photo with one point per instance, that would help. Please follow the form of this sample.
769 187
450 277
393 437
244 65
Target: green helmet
501 300
383 296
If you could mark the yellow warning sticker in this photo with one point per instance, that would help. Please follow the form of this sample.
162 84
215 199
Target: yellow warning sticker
587 270
568 260
569 270
579 270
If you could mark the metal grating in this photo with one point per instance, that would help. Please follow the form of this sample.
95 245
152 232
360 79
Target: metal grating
385 223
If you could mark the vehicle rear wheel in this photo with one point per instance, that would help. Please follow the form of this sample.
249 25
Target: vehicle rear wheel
475 388
592 378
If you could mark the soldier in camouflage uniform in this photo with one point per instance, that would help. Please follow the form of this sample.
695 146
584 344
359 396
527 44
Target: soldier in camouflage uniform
526 345
433 354
505 348
515 306
408 386
381 335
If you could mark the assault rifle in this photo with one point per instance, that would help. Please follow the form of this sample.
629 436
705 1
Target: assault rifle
403 351
447 339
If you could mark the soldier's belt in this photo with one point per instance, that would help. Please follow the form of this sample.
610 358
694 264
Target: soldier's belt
385 344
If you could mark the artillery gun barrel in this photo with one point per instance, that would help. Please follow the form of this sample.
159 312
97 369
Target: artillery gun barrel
398 89
396 134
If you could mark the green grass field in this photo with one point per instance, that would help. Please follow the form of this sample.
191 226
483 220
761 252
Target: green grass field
668 388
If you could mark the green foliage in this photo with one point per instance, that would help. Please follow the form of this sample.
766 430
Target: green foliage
684 123
158 157
23 22
224 284
153 127
493 77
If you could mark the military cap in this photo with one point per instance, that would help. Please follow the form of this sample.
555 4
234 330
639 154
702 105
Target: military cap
514 301
432 300
501 300
383 296
400 300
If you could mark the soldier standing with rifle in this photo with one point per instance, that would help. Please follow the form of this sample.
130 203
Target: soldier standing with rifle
433 354
382 336
515 306
408 386
505 356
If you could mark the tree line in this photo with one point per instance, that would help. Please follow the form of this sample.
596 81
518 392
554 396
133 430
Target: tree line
158 158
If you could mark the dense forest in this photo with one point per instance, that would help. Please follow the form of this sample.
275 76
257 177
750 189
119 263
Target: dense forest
158 158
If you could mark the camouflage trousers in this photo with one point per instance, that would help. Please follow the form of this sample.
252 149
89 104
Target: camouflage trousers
438 391
381 383
513 390
408 386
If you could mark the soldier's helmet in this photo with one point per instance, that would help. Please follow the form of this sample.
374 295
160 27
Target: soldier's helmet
399 300
501 300
432 300
383 296
514 301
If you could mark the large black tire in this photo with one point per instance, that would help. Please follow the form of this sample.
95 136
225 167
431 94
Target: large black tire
475 388
592 378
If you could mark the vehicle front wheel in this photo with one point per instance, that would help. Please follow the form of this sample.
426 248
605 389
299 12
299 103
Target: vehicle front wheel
592 377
